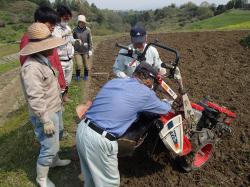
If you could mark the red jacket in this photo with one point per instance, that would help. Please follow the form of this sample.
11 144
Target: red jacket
54 60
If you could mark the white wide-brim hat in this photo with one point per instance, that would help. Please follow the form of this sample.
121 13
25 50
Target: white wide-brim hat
40 39
81 18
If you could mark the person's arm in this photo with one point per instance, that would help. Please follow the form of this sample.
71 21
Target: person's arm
155 105
119 66
55 62
57 32
32 81
90 42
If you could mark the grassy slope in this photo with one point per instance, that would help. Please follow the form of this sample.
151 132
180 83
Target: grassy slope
7 49
8 66
233 19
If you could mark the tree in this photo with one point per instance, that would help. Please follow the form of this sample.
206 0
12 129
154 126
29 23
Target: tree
220 9
235 4
204 12
204 4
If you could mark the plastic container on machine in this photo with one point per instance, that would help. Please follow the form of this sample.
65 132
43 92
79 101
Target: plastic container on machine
172 135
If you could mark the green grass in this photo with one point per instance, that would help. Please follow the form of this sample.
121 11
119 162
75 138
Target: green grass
8 66
7 49
12 33
19 148
230 20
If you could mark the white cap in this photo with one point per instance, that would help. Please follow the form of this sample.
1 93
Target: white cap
82 18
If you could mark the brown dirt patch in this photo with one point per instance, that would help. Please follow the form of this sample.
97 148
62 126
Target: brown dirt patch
212 63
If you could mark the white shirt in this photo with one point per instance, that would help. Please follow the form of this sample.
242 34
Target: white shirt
125 66
66 51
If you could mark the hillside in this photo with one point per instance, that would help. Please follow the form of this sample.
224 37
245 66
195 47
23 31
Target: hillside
14 18
232 19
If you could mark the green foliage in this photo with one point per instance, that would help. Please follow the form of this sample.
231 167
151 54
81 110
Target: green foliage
204 12
233 19
8 66
245 42
41 2
7 49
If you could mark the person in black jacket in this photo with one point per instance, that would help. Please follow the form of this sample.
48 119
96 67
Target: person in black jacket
83 49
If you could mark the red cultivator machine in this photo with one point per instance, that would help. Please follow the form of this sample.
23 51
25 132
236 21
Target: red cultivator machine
190 130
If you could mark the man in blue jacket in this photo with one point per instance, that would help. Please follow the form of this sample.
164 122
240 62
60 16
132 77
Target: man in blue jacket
113 111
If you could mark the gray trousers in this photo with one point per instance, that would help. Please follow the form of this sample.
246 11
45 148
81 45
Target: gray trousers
98 158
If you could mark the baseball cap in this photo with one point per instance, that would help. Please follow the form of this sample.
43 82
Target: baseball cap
145 68
138 34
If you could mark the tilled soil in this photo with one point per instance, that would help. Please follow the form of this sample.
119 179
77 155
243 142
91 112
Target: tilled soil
212 64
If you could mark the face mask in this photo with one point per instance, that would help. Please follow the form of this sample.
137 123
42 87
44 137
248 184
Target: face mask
64 23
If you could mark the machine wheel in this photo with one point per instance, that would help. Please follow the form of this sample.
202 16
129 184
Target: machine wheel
202 150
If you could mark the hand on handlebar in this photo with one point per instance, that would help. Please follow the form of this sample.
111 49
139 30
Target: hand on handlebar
177 74
177 103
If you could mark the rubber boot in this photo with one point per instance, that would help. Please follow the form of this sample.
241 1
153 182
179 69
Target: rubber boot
58 162
86 74
78 74
42 176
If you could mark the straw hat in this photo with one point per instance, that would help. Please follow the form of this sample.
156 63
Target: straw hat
40 39
81 18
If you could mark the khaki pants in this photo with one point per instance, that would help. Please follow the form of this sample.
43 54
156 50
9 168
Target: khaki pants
82 60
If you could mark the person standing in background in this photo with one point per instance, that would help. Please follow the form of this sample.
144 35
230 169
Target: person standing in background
83 49
65 52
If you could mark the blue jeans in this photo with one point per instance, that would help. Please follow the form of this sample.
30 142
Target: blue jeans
49 143
98 158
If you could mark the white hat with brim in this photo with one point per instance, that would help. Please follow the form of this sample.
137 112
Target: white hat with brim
81 18
40 39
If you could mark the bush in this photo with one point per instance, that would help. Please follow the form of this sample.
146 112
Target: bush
245 42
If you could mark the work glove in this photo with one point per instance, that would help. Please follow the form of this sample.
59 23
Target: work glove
168 101
49 128
122 75
177 103
177 74
90 53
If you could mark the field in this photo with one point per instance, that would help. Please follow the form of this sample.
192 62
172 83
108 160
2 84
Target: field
212 63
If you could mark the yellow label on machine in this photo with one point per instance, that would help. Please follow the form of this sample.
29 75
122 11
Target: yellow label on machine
168 90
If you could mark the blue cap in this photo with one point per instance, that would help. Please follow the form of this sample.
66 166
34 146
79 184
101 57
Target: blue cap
138 34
